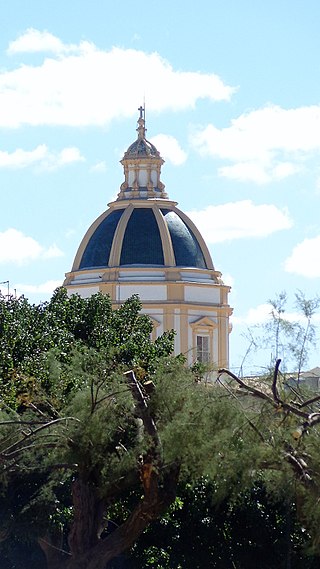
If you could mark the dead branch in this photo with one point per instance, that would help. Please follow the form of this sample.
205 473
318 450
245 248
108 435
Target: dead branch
308 402
274 387
275 401
248 388
142 408
28 438
300 468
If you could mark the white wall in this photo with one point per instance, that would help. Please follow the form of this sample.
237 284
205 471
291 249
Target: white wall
202 294
152 292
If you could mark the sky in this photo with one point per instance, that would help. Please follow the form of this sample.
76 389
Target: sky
232 95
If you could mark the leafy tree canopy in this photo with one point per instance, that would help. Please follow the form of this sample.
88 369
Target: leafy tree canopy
39 342
99 426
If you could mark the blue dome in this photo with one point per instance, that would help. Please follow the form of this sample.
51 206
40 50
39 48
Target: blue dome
140 238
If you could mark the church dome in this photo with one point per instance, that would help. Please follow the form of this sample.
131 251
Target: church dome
152 234
142 228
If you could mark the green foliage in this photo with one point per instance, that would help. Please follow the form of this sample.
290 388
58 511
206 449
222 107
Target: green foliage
63 364
66 358
104 440
251 532
38 343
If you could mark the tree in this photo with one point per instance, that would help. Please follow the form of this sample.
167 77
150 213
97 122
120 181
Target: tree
96 412
96 409
305 333
53 352
147 444
287 423
286 337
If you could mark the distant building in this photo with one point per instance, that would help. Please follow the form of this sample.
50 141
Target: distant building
309 379
143 244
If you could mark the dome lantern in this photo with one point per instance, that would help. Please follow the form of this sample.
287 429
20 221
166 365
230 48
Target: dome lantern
142 167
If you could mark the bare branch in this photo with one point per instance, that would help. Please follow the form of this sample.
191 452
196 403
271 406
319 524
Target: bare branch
248 388
142 407
28 439
22 422
278 402
309 401
274 382
300 468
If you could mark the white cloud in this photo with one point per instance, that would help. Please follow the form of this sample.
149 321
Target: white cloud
99 167
257 172
67 156
84 85
33 41
262 313
305 258
41 157
52 252
70 232
258 315
45 288
264 144
236 220
169 148
17 248
244 171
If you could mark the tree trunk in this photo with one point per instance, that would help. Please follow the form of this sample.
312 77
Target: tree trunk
95 553
85 530
88 517
154 503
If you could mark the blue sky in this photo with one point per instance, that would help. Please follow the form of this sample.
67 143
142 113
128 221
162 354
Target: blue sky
232 93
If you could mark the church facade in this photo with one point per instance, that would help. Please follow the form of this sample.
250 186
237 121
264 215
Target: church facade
143 244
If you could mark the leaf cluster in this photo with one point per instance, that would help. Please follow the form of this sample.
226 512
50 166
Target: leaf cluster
38 343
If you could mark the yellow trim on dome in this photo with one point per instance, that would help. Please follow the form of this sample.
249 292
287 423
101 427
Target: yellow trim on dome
168 254
86 239
189 223
116 247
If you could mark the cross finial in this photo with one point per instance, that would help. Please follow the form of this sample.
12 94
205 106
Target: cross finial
141 123
141 109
